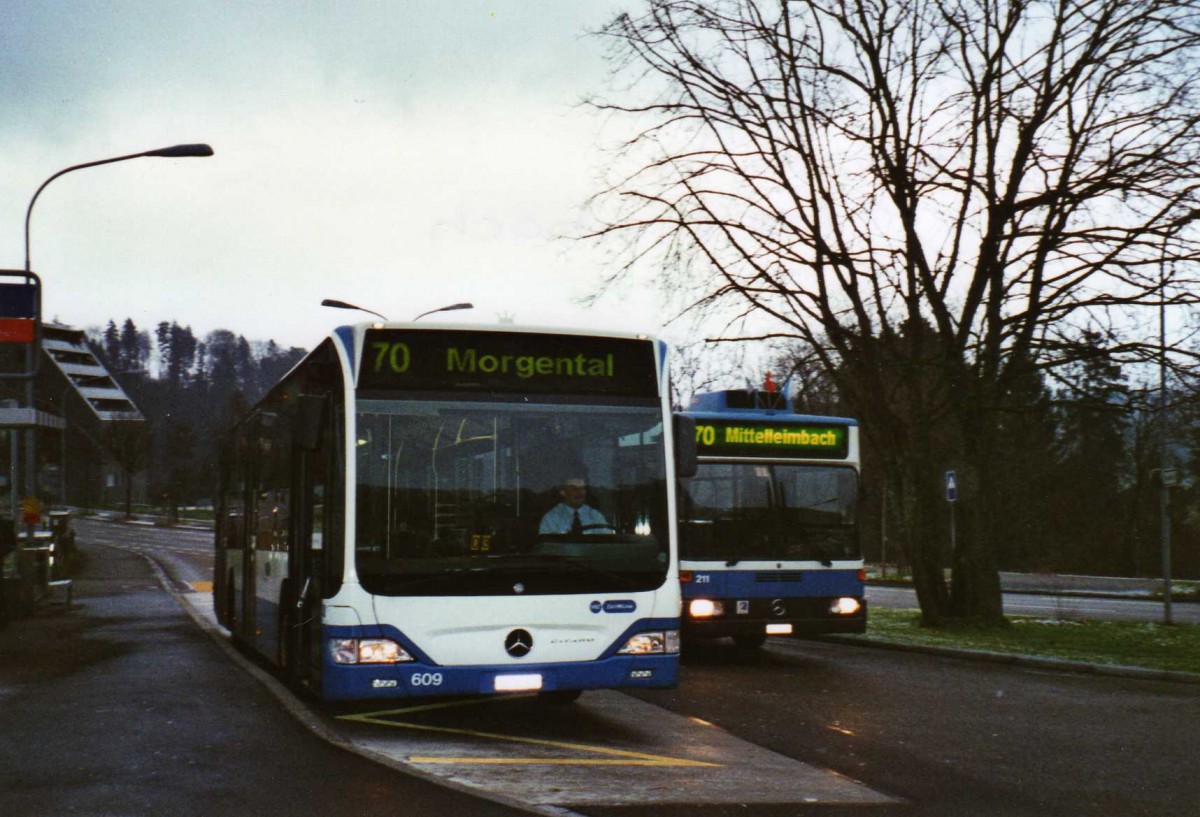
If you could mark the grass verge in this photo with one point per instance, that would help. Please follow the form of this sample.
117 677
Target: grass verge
1118 643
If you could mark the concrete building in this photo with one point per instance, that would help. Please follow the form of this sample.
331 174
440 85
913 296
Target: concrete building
89 434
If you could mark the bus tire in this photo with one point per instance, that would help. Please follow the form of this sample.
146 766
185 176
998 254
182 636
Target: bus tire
230 604
285 645
285 653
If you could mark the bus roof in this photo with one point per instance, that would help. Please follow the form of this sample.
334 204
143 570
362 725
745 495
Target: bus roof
748 404
776 416
361 327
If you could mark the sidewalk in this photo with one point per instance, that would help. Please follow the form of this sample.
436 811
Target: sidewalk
123 706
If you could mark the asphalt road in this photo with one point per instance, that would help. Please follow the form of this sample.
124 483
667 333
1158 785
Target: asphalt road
953 737
147 716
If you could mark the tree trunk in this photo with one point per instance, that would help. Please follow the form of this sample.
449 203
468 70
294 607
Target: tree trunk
975 587
914 525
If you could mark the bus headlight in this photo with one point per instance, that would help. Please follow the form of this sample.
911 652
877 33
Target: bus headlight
845 606
705 608
653 643
367 651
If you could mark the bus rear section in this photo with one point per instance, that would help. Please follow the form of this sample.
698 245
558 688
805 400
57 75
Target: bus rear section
769 540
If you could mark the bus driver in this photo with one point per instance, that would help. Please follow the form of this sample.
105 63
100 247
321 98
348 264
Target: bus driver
573 515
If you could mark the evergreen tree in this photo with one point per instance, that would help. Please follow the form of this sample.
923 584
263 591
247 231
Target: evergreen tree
1093 415
1027 479
111 345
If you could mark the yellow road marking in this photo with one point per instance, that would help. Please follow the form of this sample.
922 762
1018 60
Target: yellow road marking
426 708
547 761
615 757
202 587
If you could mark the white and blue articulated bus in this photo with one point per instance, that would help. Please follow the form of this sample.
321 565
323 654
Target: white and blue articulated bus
768 526
448 510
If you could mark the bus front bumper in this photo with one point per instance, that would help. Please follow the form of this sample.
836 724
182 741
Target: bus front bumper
796 617
411 679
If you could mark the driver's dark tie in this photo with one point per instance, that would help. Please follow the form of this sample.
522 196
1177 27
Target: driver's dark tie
576 524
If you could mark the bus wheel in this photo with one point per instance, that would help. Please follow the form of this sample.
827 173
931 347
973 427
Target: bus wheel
287 662
750 642
559 697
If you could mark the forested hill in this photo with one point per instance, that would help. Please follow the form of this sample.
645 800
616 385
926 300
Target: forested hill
190 389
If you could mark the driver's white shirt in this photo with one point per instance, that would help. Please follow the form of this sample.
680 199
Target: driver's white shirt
559 519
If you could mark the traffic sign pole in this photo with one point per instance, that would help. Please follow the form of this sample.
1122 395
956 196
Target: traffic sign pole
952 498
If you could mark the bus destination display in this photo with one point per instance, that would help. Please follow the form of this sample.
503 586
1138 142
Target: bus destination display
750 438
507 362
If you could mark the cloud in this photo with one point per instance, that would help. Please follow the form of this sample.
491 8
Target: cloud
401 155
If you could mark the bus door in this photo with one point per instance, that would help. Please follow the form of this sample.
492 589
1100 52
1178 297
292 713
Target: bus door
270 519
229 570
300 615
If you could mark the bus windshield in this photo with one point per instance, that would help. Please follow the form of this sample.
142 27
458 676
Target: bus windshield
756 511
480 497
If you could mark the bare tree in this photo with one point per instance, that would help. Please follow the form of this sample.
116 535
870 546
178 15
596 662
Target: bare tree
931 194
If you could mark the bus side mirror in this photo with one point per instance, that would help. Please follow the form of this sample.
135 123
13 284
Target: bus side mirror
310 421
685 447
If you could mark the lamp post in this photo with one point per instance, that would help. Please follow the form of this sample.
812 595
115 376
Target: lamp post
1166 474
173 152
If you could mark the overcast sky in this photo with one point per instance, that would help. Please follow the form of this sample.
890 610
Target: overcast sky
400 155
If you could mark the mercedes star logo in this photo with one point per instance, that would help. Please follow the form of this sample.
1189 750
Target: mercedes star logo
778 607
518 643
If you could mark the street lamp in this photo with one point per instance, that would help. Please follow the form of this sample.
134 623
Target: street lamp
173 152
343 305
1166 474
450 308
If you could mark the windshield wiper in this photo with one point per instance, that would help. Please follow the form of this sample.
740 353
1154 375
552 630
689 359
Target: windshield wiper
394 583
557 559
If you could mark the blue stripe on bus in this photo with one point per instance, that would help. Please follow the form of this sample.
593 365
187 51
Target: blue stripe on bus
423 677
346 335
342 682
755 584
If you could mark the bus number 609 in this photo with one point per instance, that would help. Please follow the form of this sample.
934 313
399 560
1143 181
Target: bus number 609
426 679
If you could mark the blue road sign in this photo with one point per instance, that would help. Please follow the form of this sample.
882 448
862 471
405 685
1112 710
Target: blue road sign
951 487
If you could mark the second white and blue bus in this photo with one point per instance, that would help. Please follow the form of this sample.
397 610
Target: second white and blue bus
379 527
769 538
